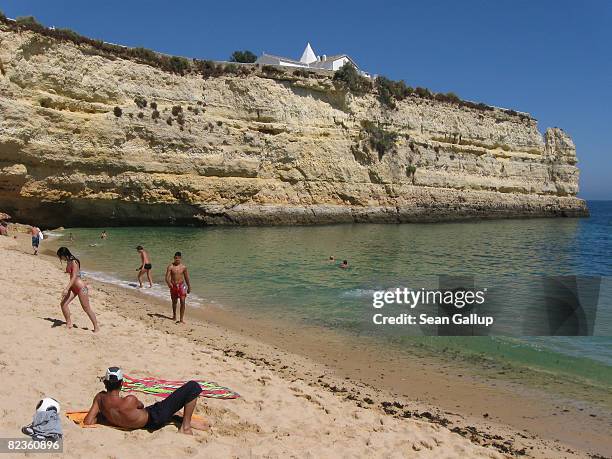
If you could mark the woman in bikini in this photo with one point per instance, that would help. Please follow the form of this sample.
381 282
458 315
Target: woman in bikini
76 287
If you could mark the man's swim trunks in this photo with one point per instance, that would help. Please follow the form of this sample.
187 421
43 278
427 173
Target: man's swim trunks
148 266
35 241
178 290
161 412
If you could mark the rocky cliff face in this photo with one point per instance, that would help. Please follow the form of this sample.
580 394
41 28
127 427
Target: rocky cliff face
254 149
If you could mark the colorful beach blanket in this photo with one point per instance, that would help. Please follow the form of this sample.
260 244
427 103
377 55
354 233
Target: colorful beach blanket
163 387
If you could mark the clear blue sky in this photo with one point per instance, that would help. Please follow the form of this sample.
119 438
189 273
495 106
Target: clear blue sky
551 58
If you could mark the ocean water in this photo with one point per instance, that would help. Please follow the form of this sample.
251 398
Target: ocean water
283 272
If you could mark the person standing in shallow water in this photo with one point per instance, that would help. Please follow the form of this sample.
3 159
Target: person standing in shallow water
145 266
177 278
76 287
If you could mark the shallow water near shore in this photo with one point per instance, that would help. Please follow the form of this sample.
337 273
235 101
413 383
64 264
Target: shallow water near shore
283 273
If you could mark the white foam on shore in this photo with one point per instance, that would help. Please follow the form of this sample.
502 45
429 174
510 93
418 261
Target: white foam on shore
52 234
358 293
157 291
364 292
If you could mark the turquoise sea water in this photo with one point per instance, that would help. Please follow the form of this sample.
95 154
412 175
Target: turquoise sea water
283 272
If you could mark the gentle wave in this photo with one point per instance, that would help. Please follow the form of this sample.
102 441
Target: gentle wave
358 293
367 292
53 234
158 290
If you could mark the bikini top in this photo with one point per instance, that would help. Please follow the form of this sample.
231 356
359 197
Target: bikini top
70 268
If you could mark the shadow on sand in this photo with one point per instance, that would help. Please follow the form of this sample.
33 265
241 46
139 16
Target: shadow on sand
57 322
160 316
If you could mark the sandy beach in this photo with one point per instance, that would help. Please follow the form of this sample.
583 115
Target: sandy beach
291 405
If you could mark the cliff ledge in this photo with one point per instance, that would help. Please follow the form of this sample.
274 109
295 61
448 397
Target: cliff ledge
92 139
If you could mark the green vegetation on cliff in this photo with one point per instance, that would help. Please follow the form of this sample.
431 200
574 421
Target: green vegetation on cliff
379 138
347 78
244 57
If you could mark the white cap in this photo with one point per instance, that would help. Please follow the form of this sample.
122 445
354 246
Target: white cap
113 373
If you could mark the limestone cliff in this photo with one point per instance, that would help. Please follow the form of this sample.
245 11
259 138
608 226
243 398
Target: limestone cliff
78 146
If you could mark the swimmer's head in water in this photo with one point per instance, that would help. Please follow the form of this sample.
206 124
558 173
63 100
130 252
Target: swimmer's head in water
344 262
139 248
331 257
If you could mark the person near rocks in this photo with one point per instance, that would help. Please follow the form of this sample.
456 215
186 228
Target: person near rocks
36 234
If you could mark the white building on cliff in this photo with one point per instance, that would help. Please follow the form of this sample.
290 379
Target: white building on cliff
308 60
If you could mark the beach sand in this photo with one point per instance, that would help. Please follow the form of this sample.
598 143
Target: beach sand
290 405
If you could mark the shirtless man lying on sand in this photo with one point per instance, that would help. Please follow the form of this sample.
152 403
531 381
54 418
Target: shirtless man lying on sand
130 413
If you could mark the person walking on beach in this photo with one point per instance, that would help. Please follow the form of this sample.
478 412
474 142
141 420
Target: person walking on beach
145 266
76 287
130 413
177 278
36 237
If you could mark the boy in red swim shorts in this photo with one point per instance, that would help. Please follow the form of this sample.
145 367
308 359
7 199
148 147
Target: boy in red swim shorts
177 278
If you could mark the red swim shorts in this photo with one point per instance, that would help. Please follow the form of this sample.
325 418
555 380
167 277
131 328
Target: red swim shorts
178 290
